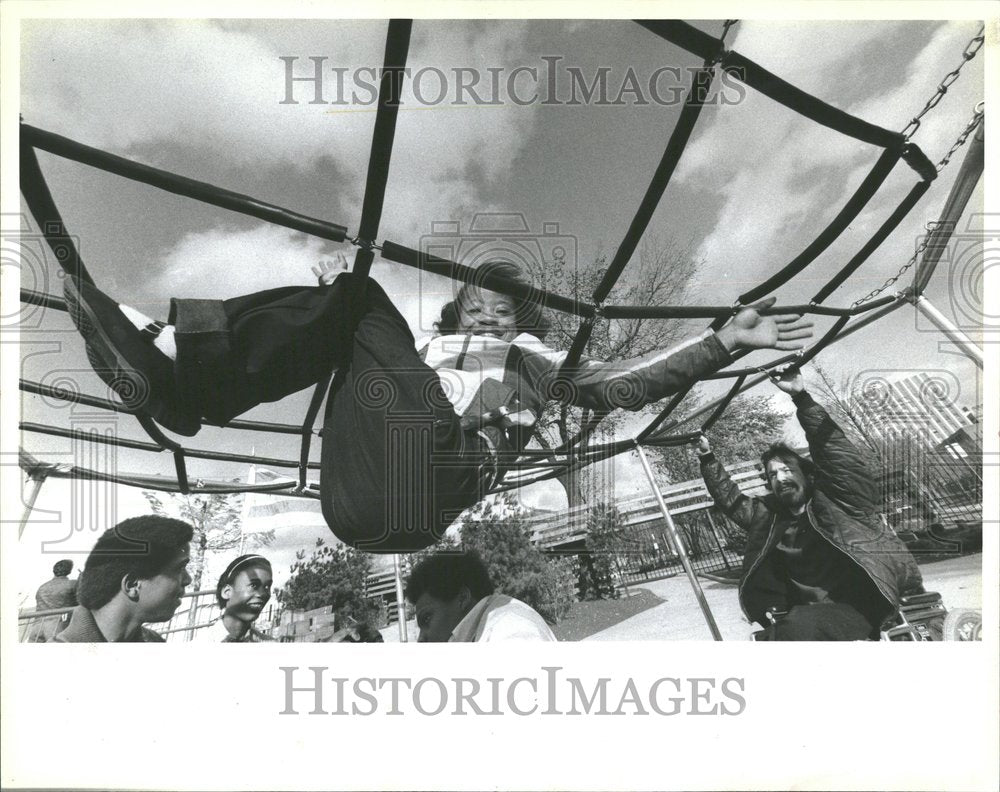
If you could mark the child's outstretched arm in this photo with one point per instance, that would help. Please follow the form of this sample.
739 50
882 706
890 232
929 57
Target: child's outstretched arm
632 384
749 330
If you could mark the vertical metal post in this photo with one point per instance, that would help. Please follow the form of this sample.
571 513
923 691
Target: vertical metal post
718 539
400 599
946 326
679 547
36 486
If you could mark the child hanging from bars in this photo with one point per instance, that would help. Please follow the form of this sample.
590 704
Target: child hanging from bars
411 436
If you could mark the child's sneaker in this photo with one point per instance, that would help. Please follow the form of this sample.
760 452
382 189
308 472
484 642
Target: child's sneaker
141 375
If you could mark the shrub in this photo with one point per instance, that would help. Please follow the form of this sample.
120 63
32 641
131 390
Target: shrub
498 532
333 576
605 540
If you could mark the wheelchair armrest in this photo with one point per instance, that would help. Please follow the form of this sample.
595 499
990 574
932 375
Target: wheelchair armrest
919 599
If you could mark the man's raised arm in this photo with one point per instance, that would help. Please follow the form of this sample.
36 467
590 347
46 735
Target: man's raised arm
841 470
738 507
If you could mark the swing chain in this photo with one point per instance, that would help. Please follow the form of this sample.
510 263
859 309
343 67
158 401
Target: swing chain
931 227
977 118
975 121
970 52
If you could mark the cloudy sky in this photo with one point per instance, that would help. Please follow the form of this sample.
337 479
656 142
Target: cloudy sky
204 99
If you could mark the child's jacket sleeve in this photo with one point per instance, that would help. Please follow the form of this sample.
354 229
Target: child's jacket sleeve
626 384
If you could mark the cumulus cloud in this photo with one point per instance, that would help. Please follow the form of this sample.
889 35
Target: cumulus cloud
132 86
223 262
783 178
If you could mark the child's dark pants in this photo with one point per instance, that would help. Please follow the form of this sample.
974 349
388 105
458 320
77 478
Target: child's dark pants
397 469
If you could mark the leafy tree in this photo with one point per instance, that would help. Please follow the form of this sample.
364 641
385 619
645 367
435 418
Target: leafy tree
749 424
605 541
217 522
660 274
841 399
499 533
330 576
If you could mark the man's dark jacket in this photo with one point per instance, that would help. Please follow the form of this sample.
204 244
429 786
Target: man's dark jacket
843 510
83 629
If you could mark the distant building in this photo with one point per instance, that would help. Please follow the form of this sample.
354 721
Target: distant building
918 406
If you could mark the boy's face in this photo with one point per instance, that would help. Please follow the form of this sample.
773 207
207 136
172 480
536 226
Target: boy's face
249 592
487 313
438 618
160 596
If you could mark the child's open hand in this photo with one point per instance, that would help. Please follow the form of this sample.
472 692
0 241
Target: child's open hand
750 330
327 270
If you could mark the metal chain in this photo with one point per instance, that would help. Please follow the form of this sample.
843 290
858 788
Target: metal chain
970 52
975 121
902 271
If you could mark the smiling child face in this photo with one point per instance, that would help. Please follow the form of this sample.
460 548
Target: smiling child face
249 592
487 313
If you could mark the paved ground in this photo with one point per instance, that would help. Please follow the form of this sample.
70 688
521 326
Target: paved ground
679 618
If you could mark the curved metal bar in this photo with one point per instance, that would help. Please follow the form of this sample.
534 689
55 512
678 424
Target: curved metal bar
685 36
43 207
179 185
901 211
679 137
724 404
664 414
760 79
397 45
844 217
28 386
285 489
487 280
31 297
140 445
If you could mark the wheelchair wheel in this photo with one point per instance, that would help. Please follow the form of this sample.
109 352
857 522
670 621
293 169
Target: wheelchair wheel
963 624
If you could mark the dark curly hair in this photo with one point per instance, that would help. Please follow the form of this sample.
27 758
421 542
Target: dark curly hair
790 457
62 568
140 546
530 315
444 575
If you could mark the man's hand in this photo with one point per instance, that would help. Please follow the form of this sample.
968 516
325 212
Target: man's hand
749 330
704 447
790 381
328 271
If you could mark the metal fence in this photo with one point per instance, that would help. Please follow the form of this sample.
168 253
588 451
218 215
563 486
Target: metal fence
199 609
932 499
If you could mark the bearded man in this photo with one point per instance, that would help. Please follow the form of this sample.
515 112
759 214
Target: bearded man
817 550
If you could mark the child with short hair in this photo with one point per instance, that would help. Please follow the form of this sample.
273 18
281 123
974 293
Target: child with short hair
412 436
